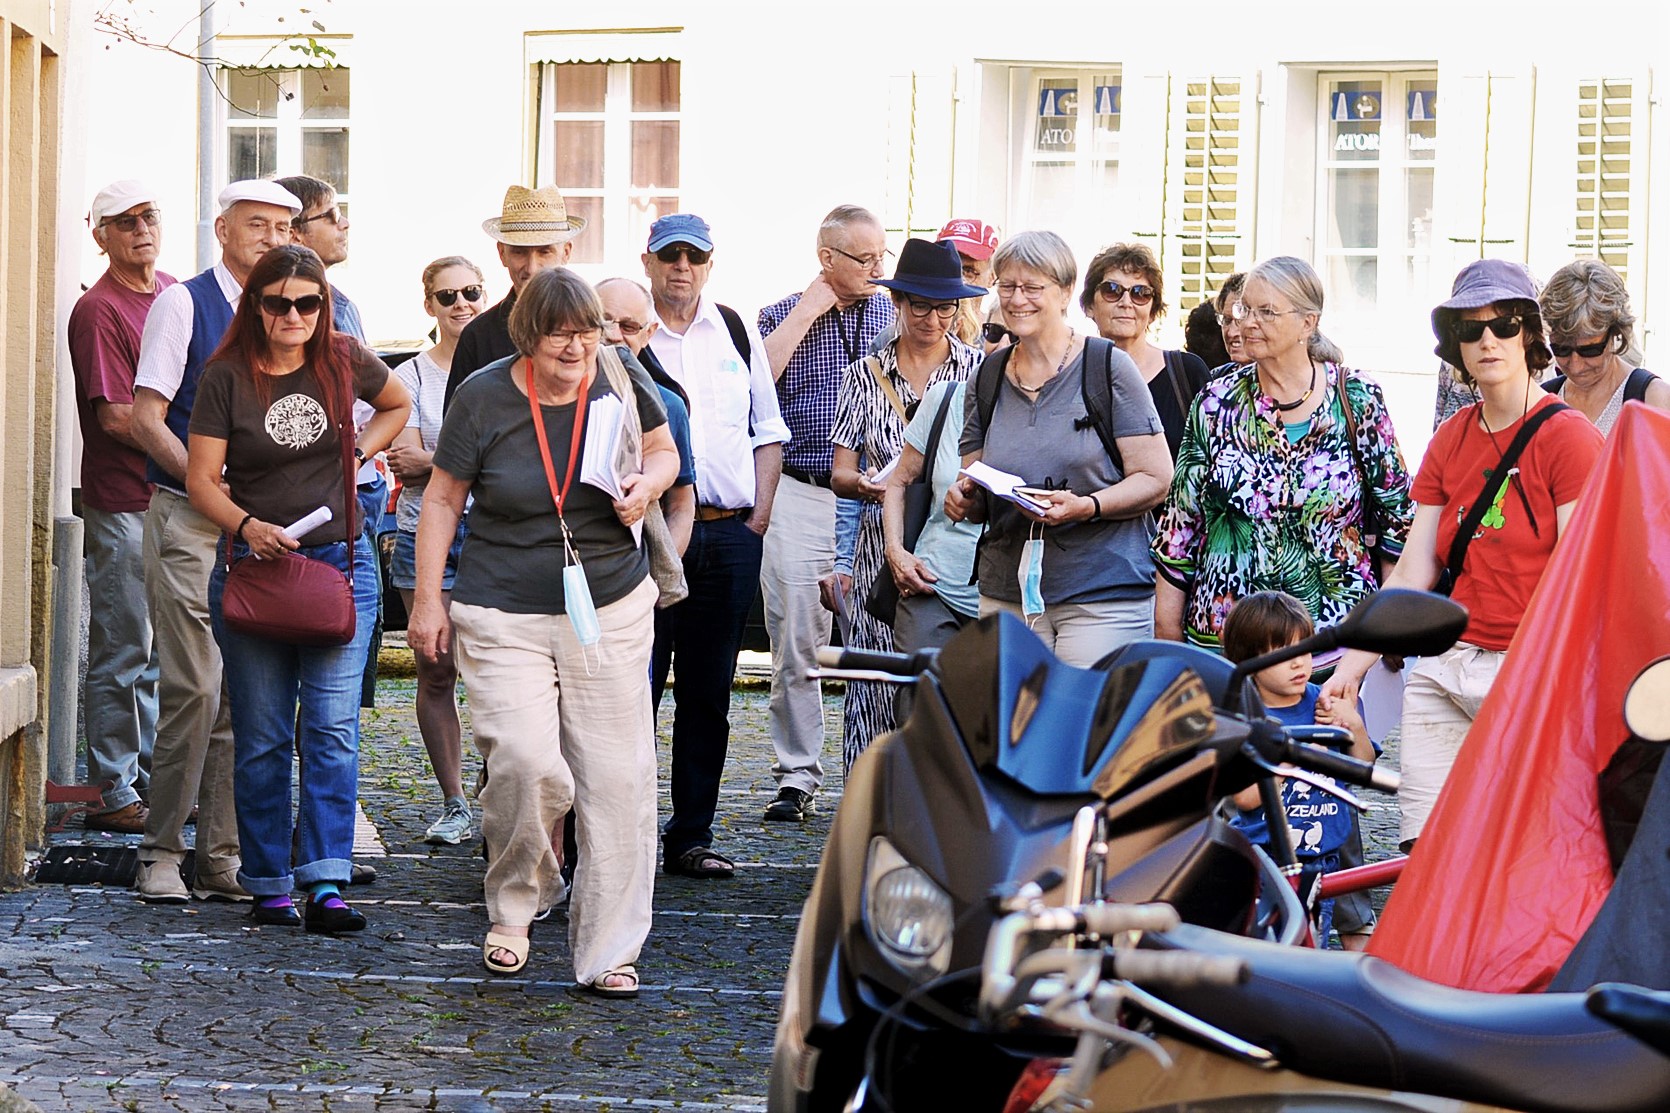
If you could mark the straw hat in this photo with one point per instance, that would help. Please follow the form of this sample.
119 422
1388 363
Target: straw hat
533 218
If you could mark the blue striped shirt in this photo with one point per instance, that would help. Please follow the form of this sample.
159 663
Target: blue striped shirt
811 383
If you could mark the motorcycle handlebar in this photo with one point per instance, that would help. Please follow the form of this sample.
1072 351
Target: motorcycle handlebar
1176 969
1112 919
1340 767
874 660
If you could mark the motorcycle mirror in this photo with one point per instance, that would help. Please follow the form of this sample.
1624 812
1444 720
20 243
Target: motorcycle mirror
1392 620
1398 620
1647 703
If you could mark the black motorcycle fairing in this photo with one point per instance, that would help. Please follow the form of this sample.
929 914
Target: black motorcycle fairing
1214 670
1059 730
1355 1018
1208 873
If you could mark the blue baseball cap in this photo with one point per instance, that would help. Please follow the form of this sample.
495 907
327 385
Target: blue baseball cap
680 228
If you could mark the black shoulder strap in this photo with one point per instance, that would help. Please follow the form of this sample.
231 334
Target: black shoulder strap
1553 385
936 429
1098 399
1499 475
1174 375
987 381
1635 389
659 375
739 334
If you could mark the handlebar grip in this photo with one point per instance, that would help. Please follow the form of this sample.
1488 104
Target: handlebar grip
1111 919
1179 969
872 660
1340 767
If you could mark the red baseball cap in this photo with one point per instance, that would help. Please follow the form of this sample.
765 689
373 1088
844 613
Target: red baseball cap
973 238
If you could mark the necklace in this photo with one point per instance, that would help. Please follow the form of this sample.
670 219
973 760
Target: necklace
1059 367
1288 407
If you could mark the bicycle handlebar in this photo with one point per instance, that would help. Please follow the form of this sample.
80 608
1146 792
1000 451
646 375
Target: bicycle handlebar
1340 767
1177 969
875 660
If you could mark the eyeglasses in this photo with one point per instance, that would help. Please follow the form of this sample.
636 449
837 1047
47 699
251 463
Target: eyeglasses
1113 291
626 326
868 262
995 333
1502 328
697 257
1241 312
306 305
1225 320
1031 290
944 310
332 214
566 336
447 298
127 222
1587 351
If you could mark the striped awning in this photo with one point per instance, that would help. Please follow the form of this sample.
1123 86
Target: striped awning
653 44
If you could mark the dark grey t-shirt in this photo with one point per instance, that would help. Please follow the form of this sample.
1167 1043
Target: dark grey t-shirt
513 557
1051 443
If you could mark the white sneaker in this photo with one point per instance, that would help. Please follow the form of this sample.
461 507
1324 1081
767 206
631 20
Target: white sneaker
454 825
160 883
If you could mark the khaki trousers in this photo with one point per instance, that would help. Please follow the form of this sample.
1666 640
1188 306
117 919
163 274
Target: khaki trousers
1083 633
799 551
191 762
1441 698
560 727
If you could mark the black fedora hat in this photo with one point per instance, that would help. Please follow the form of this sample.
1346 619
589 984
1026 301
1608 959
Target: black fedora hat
930 270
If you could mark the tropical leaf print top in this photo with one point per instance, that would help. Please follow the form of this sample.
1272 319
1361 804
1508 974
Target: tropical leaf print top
1250 511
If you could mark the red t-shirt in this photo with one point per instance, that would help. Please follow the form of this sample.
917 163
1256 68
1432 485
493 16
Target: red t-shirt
1508 553
104 332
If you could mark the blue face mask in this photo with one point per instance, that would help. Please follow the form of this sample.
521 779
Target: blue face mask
577 602
1031 577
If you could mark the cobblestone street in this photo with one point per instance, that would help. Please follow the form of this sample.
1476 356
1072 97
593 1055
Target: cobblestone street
107 1003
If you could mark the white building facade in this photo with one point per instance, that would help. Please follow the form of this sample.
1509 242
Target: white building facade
1387 146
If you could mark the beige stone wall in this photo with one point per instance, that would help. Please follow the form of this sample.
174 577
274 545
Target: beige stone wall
30 115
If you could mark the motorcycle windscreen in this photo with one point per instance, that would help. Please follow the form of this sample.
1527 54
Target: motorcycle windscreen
1512 866
1060 730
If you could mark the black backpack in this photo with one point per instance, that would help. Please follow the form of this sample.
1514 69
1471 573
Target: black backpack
1635 387
1097 390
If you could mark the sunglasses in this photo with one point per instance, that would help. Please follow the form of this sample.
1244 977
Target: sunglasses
448 298
307 305
127 222
1587 351
1502 328
672 251
332 214
1113 291
995 333
626 326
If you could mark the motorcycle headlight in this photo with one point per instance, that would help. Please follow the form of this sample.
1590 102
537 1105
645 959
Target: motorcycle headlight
907 913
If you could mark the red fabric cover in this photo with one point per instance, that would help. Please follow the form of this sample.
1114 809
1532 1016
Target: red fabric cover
1512 865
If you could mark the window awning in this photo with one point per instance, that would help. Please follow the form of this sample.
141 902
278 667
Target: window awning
270 52
650 44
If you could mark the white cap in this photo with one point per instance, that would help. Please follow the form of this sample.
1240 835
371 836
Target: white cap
117 198
262 190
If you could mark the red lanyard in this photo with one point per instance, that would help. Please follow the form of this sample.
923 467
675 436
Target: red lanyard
558 493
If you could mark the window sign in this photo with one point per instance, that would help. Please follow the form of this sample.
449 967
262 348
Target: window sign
1423 120
1067 153
1355 116
1058 116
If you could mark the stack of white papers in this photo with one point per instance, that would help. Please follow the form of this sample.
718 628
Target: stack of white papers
1004 485
607 457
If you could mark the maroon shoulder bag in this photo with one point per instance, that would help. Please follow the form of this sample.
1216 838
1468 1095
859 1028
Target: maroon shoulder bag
295 598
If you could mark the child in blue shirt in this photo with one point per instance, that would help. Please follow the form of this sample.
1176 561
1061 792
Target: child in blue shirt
1318 823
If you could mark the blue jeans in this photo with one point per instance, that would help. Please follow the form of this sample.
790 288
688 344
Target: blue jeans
267 681
722 566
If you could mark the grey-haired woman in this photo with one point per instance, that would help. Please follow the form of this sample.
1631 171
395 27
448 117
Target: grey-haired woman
1592 334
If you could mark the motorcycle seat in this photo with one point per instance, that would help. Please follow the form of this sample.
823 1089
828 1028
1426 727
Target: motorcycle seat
1355 1018
1644 1013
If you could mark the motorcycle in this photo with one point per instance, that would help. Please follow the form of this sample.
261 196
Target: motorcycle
1170 1016
1017 779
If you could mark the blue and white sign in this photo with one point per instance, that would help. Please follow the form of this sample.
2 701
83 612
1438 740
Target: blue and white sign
1350 106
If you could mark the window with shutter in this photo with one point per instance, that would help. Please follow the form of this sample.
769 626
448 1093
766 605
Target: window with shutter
1605 110
1204 199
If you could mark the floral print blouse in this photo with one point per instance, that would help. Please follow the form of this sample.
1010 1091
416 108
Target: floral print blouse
1250 511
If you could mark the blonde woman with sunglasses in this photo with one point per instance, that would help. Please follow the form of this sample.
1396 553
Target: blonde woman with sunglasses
453 295
1490 330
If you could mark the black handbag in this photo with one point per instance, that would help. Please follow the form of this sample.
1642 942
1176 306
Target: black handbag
883 599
